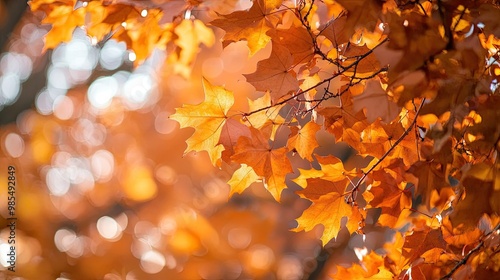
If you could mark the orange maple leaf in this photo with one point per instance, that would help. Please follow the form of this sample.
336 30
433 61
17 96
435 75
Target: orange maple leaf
251 25
275 73
271 164
304 140
143 35
430 178
332 169
106 19
261 117
328 210
207 118
342 117
375 140
361 14
297 40
371 267
231 132
64 17
190 34
420 242
419 39
334 31
376 102
388 195
480 198
363 66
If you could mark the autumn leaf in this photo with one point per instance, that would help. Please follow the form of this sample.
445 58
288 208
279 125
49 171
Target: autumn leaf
208 119
335 31
328 210
144 34
251 25
297 40
318 187
419 242
275 74
190 35
331 169
361 14
377 103
404 92
339 118
374 139
304 140
454 92
406 147
64 17
389 195
363 65
270 164
478 201
430 178
419 39
231 132
371 267
258 118
242 178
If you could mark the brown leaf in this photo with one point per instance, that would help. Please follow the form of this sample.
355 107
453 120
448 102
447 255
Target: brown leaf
377 103
419 242
489 15
297 40
430 178
335 31
361 14
341 117
275 74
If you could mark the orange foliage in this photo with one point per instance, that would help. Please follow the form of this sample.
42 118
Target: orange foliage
410 86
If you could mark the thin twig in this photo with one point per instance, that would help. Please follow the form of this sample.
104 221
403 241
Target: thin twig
469 254
405 133
345 69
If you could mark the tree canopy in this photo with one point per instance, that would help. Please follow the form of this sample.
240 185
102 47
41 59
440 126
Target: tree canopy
379 116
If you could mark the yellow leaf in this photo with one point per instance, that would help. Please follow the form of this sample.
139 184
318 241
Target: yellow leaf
371 267
190 34
328 211
207 118
64 19
304 140
332 169
258 119
242 179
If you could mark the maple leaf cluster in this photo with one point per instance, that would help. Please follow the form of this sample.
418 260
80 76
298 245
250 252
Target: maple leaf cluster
410 86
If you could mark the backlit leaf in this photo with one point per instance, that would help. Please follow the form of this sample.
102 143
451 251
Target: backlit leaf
207 118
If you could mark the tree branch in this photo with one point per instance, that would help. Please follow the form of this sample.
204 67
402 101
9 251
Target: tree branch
345 69
469 254
405 133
